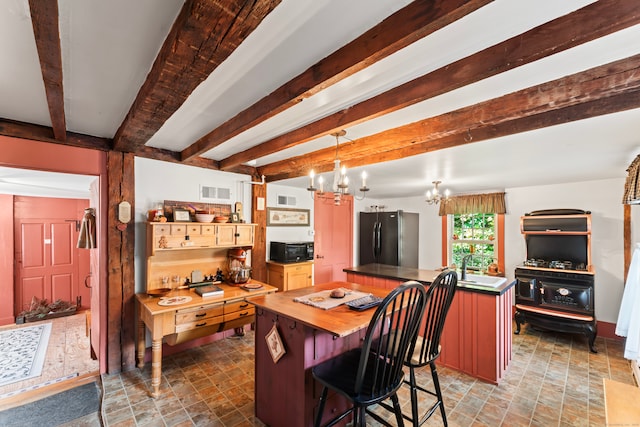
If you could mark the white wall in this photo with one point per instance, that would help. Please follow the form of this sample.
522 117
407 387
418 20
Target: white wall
602 198
289 233
157 181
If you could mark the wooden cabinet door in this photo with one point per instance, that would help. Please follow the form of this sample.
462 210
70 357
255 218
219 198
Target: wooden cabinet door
225 235
244 235
298 276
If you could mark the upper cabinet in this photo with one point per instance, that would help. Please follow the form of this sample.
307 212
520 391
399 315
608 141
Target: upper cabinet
234 235
191 235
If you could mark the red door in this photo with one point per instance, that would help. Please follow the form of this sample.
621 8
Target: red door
48 264
333 237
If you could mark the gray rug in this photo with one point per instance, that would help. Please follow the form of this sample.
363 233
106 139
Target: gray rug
55 410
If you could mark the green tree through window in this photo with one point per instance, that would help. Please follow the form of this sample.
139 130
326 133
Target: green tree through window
473 234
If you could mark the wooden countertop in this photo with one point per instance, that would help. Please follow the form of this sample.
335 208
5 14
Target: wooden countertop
423 276
230 293
340 321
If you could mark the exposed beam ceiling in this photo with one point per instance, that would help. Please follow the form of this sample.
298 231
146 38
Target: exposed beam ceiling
379 77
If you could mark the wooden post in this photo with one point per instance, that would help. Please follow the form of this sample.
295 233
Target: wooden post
259 217
121 323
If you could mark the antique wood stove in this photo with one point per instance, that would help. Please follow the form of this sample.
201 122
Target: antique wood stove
555 285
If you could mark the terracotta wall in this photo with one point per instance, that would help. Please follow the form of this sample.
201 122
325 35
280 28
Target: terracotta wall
6 259
27 154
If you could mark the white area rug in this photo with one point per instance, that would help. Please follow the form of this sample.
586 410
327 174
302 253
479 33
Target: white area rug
22 352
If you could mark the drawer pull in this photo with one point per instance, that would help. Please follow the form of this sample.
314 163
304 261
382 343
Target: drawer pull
201 324
244 314
201 315
244 305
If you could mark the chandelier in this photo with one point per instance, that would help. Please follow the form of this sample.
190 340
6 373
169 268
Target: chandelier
340 186
434 197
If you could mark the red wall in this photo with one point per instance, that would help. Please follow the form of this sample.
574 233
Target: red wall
27 154
6 259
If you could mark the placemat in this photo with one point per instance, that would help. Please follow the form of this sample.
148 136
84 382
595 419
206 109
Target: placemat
324 301
165 301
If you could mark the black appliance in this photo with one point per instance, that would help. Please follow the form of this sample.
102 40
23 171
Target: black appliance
389 238
555 284
286 252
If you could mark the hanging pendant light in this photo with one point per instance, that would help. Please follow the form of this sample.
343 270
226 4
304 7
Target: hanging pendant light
434 197
340 185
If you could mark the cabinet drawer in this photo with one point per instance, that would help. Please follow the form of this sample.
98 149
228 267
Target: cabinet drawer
200 313
207 230
178 229
161 230
237 306
249 311
203 323
194 230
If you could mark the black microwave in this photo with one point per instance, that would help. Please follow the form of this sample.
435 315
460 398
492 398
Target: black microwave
291 251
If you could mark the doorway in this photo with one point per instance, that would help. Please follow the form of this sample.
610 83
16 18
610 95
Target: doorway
333 237
48 265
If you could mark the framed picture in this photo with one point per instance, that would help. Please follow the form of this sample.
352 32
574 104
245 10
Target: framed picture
235 217
287 216
181 215
274 344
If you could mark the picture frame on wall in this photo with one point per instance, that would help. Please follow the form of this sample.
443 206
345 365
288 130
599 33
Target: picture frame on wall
181 215
274 344
288 217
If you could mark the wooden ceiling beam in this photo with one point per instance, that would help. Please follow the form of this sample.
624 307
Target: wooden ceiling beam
23 130
583 25
415 21
44 19
203 35
618 80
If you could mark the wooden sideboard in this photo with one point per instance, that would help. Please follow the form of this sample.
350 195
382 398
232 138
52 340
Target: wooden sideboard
200 317
290 276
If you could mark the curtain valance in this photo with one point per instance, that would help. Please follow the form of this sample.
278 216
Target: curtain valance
474 203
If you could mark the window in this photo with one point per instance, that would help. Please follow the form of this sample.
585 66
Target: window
476 235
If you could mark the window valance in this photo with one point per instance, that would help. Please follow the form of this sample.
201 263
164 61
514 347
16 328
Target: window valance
474 203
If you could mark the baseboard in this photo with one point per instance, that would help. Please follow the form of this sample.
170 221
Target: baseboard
48 390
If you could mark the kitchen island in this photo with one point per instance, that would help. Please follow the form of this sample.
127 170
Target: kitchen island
285 391
477 333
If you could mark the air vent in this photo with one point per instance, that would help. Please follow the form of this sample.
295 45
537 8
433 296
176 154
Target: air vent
215 194
286 200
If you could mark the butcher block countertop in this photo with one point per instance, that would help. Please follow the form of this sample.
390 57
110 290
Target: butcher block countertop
423 276
340 321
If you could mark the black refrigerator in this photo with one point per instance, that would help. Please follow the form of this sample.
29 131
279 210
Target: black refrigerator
389 238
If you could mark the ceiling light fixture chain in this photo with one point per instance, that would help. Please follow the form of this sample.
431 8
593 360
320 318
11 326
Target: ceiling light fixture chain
434 197
340 185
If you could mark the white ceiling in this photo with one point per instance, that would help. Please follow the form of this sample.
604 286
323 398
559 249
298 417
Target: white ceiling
108 48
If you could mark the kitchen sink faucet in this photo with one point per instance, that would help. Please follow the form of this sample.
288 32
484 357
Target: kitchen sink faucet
463 274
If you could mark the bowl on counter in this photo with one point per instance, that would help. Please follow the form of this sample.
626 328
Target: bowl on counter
160 292
239 276
221 219
204 217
